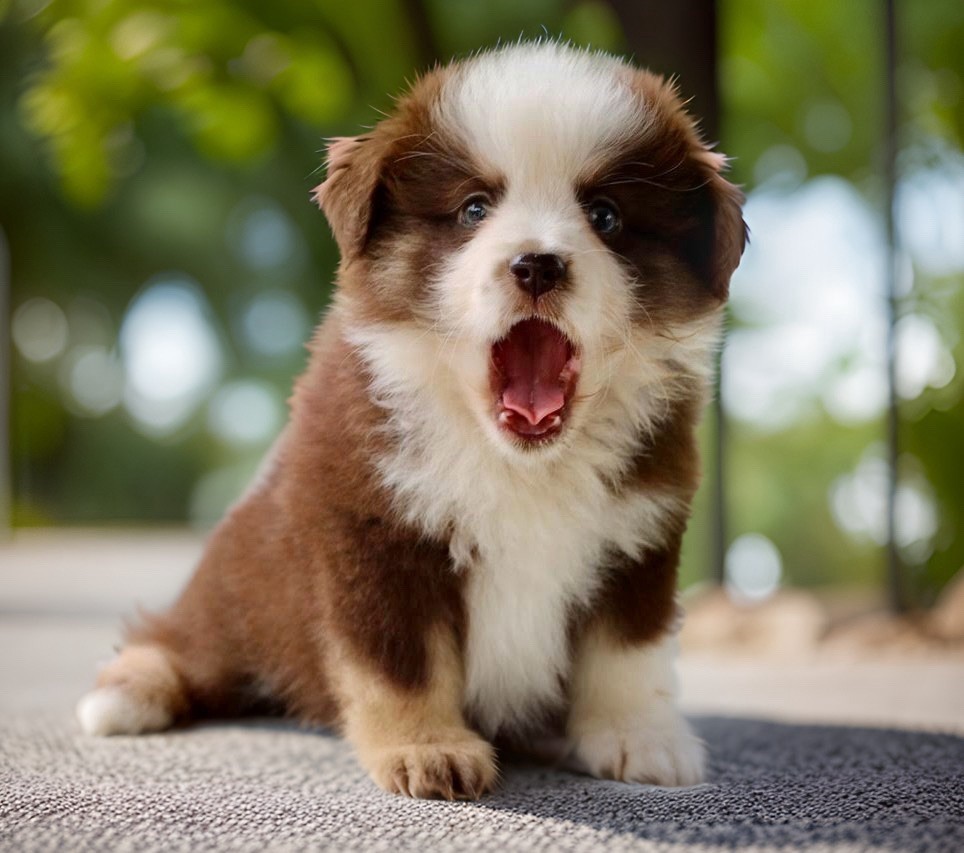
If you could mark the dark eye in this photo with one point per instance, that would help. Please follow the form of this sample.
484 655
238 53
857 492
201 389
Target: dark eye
604 217
473 211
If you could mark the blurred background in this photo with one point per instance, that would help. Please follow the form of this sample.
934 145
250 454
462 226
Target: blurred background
161 264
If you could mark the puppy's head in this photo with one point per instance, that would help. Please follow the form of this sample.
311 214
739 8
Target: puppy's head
548 225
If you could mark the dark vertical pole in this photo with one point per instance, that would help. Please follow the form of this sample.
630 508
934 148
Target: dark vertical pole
718 540
681 39
422 36
6 487
896 596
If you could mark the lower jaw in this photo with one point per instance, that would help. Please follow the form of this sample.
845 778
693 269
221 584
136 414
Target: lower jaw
529 435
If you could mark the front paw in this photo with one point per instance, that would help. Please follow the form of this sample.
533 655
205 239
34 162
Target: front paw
657 748
463 768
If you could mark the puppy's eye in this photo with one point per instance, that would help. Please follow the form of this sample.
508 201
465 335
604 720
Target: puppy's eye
473 211
604 217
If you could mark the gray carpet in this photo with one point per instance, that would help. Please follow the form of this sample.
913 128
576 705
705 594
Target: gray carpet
269 786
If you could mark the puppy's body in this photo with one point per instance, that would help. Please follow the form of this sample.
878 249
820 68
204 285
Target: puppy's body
469 530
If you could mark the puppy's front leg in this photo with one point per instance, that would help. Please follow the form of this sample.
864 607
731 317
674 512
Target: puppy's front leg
413 740
623 720
624 723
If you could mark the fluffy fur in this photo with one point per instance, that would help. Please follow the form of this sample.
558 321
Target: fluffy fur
409 566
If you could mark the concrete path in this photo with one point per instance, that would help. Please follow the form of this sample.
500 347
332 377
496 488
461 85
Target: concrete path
64 592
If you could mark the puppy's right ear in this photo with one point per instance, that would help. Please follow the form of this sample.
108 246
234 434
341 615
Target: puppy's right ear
347 194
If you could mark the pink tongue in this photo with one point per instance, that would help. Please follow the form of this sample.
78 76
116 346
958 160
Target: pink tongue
532 358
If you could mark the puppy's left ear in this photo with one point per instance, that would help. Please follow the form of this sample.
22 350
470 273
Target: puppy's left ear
723 234
347 195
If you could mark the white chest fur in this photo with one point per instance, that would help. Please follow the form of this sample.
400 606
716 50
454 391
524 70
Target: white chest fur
520 592
532 543
538 558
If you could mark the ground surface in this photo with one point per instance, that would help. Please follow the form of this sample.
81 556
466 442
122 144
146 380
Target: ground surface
808 751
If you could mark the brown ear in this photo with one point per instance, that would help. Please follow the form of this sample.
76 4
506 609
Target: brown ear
725 235
347 194
716 245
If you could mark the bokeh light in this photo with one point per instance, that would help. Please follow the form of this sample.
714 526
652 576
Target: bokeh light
40 329
858 504
274 323
809 296
930 208
780 166
263 236
753 568
92 380
827 126
923 361
246 412
171 354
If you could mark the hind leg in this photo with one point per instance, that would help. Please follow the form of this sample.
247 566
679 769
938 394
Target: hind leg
176 666
139 691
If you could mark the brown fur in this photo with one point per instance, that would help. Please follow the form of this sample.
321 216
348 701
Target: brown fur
415 742
637 603
683 232
303 559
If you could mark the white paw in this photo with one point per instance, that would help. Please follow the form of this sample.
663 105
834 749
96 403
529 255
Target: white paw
114 711
657 747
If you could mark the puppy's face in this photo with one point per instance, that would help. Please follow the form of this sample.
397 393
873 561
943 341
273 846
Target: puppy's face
550 222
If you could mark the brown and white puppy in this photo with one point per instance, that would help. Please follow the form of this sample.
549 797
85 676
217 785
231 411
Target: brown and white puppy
468 533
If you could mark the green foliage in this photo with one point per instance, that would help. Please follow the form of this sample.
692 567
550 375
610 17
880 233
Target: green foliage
799 73
934 435
805 80
227 77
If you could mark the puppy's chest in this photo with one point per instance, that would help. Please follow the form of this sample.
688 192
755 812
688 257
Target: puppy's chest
533 545
528 573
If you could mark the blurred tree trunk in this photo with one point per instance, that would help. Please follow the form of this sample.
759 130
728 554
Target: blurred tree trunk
426 48
679 40
896 594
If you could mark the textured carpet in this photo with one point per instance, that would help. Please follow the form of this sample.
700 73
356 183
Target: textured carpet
269 786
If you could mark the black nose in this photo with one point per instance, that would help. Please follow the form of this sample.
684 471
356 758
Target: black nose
537 274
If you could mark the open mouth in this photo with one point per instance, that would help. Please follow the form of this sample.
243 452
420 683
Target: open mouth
534 372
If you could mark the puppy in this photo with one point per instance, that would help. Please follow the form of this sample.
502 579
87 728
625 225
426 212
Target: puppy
468 533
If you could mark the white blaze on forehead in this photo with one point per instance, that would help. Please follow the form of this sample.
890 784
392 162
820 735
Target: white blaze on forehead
533 111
